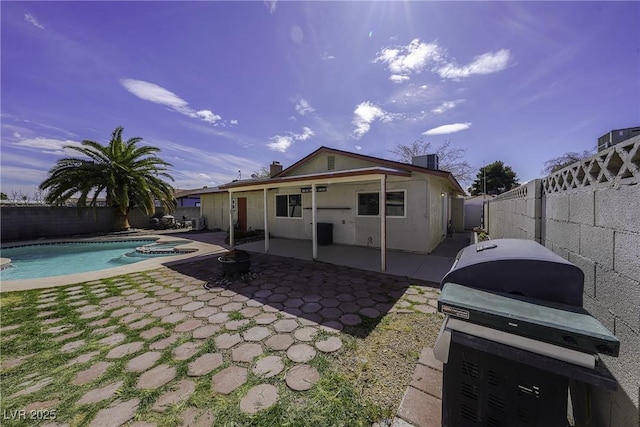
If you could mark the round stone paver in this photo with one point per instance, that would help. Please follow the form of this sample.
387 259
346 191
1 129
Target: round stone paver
305 334
311 307
100 394
302 377
219 318
246 352
205 331
181 391
257 333
205 312
265 318
193 306
143 362
351 319
164 343
194 417
140 324
94 371
279 342
285 325
260 397
204 364
301 353
229 379
72 346
370 312
329 345
268 367
124 350
186 350
156 377
152 333
116 415
174 317
232 306
330 313
189 325
226 341
234 325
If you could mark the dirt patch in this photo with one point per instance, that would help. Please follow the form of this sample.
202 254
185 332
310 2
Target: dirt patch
381 364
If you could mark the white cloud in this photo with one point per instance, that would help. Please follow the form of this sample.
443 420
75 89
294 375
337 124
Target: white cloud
16 135
402 61
446 106
303 107
283 142
280 143
159 95
233 122
365 114
328 57
46 145
358 147
446 129
487 63
208 116
33 21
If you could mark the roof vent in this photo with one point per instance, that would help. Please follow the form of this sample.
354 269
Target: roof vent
331 163
429 161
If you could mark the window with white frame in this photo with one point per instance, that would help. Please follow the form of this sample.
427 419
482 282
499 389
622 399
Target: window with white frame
395 203
289 205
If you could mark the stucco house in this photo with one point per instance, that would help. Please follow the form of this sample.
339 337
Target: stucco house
368 201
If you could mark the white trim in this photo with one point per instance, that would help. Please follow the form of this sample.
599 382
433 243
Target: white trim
275 211
266 220
314 220
385 204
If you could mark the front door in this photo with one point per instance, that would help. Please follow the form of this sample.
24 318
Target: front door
242 213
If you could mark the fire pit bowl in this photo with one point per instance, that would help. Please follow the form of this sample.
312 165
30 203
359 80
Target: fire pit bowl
235 262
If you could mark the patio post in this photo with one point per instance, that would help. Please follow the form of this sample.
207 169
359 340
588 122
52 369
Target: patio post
314 227
383 223
266 223
231 242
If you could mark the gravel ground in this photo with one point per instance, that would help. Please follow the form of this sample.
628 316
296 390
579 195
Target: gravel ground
381 363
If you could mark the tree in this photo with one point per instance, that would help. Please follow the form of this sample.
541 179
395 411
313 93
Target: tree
262 172
128 174
3 196
498 178
451 159
557 163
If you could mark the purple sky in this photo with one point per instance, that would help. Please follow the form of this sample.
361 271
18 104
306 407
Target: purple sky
228 86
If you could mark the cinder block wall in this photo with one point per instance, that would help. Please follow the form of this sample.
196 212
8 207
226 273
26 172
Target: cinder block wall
590 215
34 222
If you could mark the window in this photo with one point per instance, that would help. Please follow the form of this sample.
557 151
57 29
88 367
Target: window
369 204
289 205
395 203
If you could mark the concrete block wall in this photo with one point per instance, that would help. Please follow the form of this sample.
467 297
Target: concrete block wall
516 213
590 215
33 222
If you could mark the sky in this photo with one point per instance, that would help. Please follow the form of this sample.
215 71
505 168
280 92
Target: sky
225 88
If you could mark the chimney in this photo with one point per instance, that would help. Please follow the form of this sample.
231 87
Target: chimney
274 169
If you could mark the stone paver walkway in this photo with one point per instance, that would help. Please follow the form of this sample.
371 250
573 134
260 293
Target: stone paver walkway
268 330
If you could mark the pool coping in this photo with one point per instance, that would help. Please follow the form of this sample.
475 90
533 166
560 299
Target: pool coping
199 250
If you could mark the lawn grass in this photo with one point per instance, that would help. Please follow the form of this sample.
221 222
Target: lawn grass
342 396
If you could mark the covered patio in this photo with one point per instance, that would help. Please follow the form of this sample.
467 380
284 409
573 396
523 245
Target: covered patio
429 268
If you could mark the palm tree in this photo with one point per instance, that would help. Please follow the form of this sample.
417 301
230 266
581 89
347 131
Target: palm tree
129 175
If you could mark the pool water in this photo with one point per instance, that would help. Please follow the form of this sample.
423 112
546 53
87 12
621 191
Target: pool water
58 259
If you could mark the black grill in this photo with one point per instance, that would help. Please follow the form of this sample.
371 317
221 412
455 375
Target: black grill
518 267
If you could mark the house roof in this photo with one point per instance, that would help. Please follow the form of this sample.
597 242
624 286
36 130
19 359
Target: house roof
178 193
314 176
378 160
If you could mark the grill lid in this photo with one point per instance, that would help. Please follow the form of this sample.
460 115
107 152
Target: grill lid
518 267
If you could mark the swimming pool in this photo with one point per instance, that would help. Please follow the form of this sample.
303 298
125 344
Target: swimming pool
59 259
